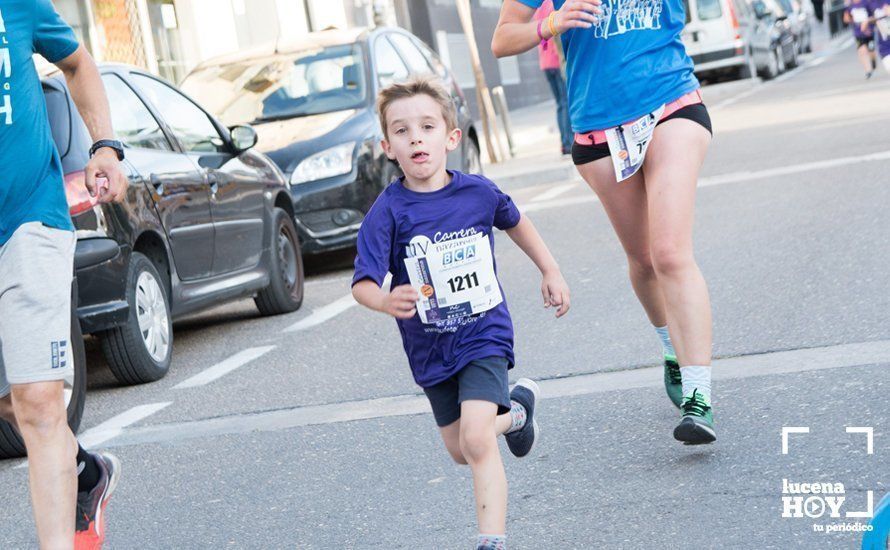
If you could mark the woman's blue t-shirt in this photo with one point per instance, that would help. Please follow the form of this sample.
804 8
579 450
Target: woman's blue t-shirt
629 64
469 205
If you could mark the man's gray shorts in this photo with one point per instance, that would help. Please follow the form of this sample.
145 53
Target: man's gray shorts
36 271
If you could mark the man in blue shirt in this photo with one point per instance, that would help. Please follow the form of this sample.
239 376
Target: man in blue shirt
36 266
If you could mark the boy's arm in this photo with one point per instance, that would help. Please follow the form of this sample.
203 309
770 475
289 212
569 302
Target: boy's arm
400 303
553 287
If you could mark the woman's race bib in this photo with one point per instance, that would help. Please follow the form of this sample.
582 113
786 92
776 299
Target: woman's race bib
454 278
628 144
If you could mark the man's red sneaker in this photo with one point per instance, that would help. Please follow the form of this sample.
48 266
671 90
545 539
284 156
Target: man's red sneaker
90 533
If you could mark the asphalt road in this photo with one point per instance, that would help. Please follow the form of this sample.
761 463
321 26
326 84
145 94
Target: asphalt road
317 438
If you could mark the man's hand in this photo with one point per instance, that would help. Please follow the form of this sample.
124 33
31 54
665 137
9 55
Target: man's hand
556 292
401 303
104 164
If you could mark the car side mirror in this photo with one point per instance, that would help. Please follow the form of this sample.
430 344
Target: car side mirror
243 137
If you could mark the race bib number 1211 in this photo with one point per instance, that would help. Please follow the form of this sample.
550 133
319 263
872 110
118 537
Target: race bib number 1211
454 278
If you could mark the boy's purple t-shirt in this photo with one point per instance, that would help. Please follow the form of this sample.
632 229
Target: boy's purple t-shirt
470 204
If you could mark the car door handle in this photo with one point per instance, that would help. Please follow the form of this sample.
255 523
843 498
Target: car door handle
214 183
157 183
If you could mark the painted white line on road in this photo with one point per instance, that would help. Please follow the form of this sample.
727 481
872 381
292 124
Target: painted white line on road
322 314
731 177
112 427
766 364
734 177
223 368
813 62
554 192
115 425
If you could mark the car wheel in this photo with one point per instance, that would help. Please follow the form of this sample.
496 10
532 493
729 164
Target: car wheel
772 65
140 351
391 171
473 161
285 291
793 61
11 444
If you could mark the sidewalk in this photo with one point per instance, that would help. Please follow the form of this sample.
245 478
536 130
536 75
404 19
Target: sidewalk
537 158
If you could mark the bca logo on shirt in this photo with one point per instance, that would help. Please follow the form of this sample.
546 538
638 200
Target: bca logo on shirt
459 255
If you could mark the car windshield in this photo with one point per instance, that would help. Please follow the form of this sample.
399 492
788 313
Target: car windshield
709 9
305 83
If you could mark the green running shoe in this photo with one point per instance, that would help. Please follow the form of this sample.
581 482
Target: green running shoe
697 424
672 381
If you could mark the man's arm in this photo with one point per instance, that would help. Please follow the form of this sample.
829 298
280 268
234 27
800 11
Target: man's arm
88 93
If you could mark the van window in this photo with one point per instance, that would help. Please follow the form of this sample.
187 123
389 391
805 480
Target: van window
709 10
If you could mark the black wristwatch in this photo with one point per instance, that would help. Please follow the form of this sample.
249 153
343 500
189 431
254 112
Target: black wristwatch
111 144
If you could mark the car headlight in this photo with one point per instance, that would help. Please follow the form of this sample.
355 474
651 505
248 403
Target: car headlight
328 163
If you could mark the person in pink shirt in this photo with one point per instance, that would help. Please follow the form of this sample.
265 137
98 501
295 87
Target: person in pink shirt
548 59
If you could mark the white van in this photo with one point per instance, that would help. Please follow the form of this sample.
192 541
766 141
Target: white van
714 37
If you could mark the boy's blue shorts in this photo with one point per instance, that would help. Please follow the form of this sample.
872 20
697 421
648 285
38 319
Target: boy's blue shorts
482 379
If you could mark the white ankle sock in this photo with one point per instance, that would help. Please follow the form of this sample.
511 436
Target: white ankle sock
666 346
697 378
518 417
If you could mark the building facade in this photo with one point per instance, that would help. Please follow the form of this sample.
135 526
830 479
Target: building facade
170 37
437 23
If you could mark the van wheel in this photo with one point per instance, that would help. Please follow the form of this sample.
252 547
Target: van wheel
140 351
772 66
11 444
285 291
793 61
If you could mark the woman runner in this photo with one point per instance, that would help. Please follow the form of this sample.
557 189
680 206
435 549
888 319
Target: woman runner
634 100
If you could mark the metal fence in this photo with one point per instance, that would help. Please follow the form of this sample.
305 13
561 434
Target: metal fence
120 31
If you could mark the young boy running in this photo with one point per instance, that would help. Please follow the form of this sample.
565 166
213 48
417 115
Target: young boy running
432 230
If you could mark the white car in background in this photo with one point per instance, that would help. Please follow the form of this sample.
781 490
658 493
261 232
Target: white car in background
714 38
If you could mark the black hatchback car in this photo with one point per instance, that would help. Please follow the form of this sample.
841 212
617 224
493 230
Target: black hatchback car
207 219
312 103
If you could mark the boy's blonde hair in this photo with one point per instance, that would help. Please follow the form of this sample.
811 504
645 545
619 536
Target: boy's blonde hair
424 84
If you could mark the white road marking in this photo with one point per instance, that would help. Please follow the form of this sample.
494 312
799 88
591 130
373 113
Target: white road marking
322 314
731 177
115 425
814 62
112 427
554 192
765 364
223 368
734 177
